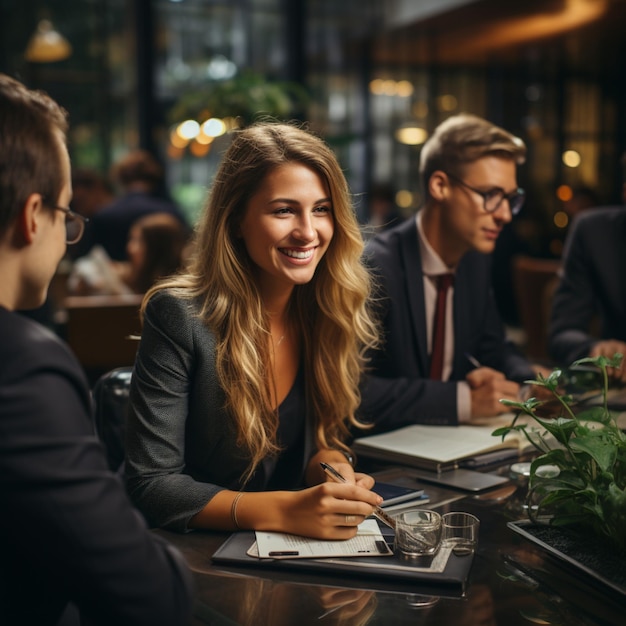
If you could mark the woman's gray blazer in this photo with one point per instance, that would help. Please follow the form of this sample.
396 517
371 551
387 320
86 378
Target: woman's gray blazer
180 442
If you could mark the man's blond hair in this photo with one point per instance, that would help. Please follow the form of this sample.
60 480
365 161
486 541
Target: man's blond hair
463 139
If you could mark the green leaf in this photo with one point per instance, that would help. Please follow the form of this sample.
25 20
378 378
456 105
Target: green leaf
560 428
602 361
597 447
505 430
594 414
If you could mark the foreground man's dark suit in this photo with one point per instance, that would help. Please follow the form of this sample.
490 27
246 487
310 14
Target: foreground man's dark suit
68 533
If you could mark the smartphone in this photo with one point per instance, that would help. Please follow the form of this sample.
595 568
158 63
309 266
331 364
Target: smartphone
393 494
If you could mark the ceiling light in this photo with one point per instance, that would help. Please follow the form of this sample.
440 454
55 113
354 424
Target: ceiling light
47 45
411 135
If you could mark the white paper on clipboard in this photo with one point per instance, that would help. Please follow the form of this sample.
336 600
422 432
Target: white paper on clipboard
368 541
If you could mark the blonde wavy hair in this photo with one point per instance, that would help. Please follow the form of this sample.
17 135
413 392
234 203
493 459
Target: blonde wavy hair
330 313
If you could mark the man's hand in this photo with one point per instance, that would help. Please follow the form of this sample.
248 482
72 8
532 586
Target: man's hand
487 388
608 348
534 391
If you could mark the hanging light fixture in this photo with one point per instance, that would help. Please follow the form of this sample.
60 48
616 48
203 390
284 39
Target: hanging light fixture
47 45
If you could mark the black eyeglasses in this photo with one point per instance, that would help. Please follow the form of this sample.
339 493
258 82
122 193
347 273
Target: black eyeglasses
74 223
492 199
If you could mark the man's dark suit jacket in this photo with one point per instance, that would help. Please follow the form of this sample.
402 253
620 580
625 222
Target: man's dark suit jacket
593 283
394 257
69 536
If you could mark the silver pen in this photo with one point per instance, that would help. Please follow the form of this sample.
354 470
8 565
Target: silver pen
473 360
329 470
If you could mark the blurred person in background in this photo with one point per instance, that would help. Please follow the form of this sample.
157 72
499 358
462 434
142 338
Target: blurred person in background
156 247
140 177
589 305
92 191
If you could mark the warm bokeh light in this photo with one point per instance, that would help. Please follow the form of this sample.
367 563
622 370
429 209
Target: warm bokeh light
404 88
199 149
561 219
389 87
188 129
411 135
571 158
447 102
177 141
376 86
214 127
564 193
404 198
204 139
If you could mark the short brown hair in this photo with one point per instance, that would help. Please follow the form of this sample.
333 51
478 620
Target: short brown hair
463 139
138 165
30 125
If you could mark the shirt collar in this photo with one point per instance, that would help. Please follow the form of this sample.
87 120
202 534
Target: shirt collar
432 264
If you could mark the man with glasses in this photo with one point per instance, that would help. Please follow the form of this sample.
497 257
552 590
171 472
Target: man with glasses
444 358
73 548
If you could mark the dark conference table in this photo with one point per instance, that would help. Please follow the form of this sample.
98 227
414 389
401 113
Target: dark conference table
512 581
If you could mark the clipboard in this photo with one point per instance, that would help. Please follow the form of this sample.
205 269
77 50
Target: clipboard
452 576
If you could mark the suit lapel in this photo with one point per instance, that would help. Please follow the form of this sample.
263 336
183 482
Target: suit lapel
410 254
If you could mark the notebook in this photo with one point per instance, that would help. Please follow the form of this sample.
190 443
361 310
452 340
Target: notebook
436 448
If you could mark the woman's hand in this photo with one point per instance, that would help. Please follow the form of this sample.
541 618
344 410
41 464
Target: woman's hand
327 511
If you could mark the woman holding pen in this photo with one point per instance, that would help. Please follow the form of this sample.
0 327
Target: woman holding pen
249 364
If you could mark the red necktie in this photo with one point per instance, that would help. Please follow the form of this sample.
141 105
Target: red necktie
444 281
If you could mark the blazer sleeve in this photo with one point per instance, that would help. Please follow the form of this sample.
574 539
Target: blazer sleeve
158 414
73 531
390 403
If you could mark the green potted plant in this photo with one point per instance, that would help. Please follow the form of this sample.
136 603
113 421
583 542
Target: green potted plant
585 451
245 96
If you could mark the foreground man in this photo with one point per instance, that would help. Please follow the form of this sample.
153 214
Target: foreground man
74 551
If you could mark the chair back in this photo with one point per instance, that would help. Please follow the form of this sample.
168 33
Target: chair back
102 331
110 394
534 281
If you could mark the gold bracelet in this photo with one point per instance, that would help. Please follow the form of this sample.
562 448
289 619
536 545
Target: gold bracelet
233 510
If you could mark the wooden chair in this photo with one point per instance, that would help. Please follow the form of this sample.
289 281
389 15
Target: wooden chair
103 331
534 281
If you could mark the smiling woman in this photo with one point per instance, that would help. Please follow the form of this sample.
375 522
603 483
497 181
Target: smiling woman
249 364
288 226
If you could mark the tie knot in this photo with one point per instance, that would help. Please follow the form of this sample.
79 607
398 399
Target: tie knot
444 281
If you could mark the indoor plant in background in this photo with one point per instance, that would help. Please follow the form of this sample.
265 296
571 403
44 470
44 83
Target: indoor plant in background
585 489
245 97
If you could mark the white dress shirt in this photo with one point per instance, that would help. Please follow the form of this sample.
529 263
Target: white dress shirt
432 266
